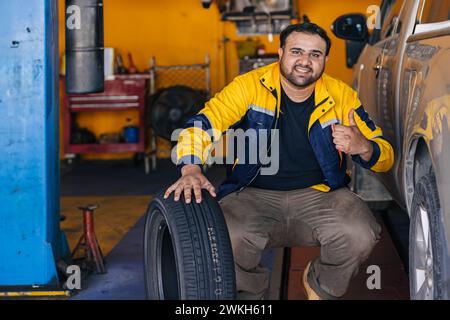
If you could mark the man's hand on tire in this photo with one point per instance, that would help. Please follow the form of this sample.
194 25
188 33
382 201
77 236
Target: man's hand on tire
192 178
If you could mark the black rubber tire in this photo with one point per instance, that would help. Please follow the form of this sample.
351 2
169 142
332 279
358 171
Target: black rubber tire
426 195
187 251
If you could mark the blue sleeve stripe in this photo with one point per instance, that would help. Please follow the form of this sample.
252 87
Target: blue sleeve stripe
375 155
373 160
365 117
203 120
189 159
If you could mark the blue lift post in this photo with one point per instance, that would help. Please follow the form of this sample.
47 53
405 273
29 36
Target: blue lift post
31 241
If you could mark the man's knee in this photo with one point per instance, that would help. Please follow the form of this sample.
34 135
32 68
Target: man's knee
360 237
247 249
248 233
359 228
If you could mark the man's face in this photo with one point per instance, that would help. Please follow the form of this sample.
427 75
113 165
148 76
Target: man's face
303 58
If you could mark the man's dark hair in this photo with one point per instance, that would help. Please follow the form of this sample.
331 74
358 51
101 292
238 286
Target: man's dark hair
305 27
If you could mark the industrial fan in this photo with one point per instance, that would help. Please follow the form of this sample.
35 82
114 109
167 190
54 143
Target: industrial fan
171 107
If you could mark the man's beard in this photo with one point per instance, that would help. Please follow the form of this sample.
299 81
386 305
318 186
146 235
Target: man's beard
294 80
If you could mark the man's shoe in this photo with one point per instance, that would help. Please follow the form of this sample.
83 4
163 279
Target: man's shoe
310 293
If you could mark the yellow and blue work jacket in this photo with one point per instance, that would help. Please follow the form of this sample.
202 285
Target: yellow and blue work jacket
252 101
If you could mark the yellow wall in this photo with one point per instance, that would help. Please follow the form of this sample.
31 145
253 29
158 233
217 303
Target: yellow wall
182 32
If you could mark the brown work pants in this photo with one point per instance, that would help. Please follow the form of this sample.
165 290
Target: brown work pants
338 221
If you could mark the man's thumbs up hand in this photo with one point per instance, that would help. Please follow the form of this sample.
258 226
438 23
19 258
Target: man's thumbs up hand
351 118
349 139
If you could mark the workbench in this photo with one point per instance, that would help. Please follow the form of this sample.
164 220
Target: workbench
122 93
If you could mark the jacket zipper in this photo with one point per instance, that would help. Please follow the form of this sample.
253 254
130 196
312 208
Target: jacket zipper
315 107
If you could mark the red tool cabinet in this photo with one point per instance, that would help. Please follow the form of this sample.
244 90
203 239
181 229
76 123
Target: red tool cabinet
124 92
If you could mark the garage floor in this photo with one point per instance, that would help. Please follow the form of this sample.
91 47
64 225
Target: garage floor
123 191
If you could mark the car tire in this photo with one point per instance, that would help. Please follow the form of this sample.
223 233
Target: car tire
428 257
187 251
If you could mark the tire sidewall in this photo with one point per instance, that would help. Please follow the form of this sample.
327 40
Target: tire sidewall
176 216
151 249
426 195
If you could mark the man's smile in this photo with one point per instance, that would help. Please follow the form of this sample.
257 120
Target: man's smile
301 70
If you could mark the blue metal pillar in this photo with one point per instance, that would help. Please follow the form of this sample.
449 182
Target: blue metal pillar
30 237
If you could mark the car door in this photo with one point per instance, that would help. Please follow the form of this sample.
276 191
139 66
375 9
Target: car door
365 72
375 83
397 27
400 25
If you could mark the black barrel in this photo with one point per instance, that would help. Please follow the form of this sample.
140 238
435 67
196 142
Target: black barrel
84 46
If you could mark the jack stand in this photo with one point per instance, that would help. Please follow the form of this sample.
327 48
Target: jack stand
88 241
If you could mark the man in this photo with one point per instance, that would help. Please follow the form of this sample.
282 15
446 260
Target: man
307 202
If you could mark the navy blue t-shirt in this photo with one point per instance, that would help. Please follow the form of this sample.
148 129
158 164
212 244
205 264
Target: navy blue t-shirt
298 166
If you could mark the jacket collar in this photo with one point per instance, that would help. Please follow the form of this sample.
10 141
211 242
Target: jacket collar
271 80
322 96
323 100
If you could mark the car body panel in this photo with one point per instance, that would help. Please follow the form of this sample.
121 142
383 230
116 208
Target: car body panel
408 94
425 106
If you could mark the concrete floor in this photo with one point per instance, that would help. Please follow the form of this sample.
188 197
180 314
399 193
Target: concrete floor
115 216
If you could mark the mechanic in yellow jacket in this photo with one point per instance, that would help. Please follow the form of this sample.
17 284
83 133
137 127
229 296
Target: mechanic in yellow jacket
313 121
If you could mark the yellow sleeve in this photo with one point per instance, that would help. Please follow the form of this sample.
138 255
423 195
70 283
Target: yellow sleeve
222 111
